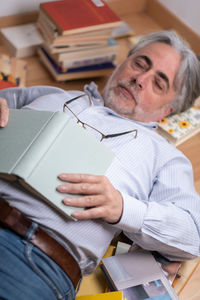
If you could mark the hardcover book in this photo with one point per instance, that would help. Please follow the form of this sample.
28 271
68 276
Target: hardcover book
138 275
37 146
79 38
73 16
61 53
96 70
180 127
89 61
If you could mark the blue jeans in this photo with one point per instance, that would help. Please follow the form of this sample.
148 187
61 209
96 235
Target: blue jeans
26 273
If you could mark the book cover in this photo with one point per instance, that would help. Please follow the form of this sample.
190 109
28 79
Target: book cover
13 71
107 296
21 40
180 127
138 275
72 16
74 73
36 145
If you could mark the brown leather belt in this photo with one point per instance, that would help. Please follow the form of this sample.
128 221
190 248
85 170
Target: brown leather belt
13 219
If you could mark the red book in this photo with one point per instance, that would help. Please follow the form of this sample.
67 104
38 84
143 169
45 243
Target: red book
76 16
6 84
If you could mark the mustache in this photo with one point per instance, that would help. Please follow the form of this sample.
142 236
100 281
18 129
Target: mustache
131 87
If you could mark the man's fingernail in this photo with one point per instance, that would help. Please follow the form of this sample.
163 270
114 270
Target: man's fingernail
3 123
67 200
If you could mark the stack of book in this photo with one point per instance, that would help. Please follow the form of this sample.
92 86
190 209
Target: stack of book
77 38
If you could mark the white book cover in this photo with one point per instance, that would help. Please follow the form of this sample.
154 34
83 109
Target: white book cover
21 40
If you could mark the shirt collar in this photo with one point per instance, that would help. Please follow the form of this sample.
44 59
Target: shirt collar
92 90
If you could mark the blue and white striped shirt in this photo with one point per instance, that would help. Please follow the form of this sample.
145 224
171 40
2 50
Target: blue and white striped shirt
161 209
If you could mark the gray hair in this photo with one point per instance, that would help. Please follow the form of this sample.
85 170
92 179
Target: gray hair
187 80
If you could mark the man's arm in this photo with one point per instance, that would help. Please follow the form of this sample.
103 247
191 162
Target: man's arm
167 222
19 97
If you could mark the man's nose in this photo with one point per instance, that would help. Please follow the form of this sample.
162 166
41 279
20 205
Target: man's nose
140 80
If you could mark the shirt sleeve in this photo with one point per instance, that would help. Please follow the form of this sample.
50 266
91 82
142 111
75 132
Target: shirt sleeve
167 218
19 97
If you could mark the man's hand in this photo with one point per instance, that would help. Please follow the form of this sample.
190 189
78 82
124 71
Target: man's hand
4 112
100 198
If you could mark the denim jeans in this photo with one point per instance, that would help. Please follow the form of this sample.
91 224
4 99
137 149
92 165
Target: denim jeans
26 273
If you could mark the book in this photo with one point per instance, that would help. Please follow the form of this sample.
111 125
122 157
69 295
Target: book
74 73
180 127
82 38
89 61
137 274
12 71
21 40
37 146
73 16
107 296
170 269
73 46
61 53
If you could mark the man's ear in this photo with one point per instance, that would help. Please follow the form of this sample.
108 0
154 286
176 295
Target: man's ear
169 111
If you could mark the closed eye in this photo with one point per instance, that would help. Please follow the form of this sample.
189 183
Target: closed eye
142 63
157 83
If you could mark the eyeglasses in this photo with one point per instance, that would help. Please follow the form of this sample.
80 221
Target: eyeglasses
84 125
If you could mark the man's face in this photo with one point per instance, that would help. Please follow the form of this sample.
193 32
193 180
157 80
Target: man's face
143 85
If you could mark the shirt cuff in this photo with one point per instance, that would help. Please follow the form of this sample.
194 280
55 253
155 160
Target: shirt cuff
133 214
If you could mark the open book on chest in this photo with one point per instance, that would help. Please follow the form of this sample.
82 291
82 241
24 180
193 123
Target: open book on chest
37 146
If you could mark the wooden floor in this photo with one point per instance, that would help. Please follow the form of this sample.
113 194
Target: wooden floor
134 12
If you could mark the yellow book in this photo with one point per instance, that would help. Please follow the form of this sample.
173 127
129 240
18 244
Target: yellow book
104 296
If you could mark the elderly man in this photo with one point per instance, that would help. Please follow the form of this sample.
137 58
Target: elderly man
147 191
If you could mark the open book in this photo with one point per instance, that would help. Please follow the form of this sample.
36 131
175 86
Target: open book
138 275
37 146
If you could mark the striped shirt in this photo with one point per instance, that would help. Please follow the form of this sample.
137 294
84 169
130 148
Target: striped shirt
161 209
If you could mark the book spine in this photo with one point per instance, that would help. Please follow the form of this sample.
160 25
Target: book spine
77 63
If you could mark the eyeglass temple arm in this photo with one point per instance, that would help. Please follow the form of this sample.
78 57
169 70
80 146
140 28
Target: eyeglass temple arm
77 97
118 134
